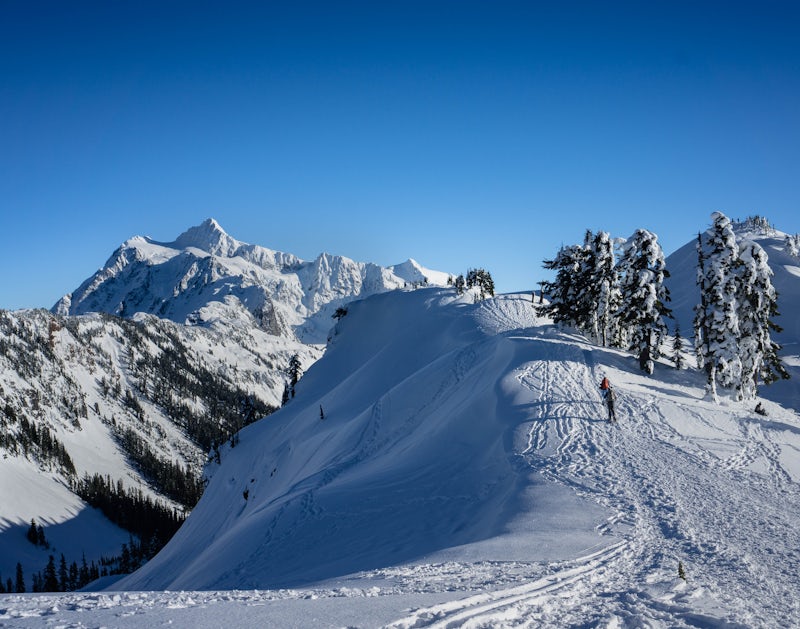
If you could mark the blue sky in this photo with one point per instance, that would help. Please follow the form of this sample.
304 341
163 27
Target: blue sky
461 134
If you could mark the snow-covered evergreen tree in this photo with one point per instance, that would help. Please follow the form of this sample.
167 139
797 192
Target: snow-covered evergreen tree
563 292
482 280
600 295
792 245
677 349
716 321
585 292
459 284
757 303
642 269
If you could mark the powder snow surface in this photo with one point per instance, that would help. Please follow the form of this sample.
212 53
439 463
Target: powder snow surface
464 474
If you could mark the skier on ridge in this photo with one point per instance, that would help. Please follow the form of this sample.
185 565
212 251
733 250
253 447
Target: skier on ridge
610 397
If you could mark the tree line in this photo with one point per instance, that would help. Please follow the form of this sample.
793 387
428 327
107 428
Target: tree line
614 293
479 279
616 302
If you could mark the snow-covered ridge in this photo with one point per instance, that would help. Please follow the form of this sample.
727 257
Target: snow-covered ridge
443 449
190 279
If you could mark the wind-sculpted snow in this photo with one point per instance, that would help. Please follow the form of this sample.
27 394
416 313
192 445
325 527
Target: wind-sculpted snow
463 474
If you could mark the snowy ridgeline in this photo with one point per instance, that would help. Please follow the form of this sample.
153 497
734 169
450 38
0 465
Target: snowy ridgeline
464 473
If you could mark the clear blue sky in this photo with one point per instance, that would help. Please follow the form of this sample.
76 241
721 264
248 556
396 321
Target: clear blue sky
458 133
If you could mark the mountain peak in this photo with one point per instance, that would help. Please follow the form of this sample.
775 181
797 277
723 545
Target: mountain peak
209 237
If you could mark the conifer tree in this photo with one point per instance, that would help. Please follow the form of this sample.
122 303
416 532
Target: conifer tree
701 313
587 289
563 292
295 371
482 280
716 320
83 573
734 318
19 585
32 535
286 395
595 288
50 583
460 284
603 285
74 578
757 304
643 296
63 574
677 349
792 245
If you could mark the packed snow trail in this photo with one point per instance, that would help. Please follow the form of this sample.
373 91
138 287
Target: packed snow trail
667 498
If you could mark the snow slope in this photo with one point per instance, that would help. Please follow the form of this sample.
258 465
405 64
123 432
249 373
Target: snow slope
464 473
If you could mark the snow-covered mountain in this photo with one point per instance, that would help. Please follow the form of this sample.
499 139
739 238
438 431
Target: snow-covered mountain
206 275
138 402
163 354
443 450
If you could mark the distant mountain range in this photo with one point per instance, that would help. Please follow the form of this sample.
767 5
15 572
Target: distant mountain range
205 275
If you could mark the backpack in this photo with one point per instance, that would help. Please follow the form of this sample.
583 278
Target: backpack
604 384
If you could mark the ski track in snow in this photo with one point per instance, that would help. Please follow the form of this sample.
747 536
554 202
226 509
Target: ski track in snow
699 529
504 604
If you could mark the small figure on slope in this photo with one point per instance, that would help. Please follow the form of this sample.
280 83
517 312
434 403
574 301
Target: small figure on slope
610 399
604 387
